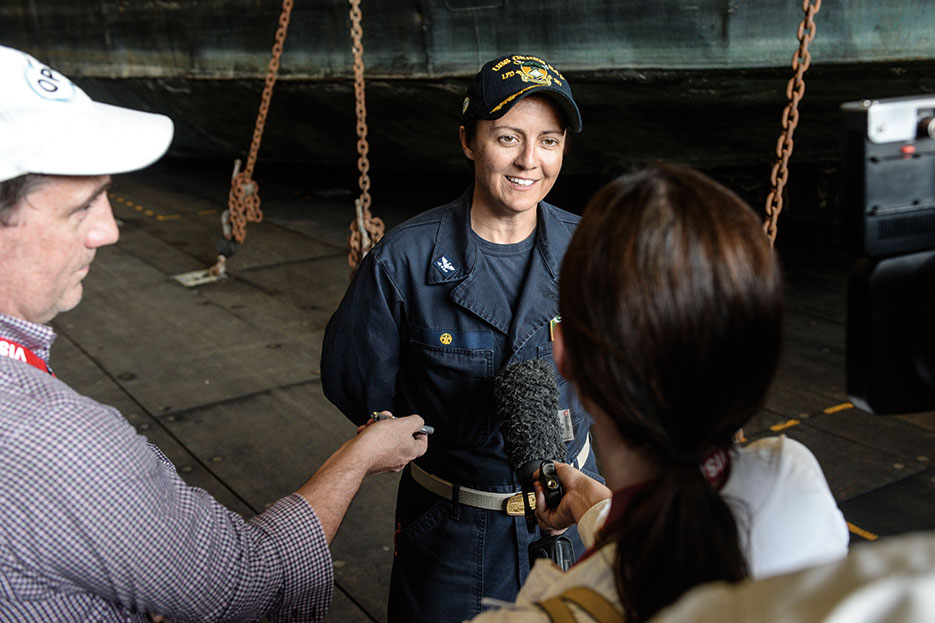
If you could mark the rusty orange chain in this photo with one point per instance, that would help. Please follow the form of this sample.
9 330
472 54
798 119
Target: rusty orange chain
795 91
244 199
366 229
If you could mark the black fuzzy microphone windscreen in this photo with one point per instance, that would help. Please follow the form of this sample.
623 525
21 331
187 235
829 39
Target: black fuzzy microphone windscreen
526 401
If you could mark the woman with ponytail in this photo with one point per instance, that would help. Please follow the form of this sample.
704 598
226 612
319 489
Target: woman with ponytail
671 307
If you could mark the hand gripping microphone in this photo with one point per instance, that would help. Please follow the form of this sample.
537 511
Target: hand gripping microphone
526 401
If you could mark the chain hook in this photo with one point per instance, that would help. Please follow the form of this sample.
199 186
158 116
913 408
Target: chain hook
366 229
244 199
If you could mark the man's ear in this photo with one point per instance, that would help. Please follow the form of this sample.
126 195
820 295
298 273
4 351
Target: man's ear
559 355
462 134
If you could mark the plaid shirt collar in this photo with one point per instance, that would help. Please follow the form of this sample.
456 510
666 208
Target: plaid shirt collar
36 337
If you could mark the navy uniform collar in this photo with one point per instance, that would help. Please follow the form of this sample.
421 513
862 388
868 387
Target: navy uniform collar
454 256
455 259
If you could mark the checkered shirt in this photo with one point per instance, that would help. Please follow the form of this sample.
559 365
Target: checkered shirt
96 525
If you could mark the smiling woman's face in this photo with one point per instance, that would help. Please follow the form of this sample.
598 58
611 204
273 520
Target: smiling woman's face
517 157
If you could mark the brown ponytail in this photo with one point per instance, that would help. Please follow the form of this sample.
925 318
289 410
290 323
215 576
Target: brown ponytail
671 303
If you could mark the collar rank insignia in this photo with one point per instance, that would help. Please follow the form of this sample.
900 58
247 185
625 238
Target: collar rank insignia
445 266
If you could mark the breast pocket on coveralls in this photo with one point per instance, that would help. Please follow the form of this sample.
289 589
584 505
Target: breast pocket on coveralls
455 376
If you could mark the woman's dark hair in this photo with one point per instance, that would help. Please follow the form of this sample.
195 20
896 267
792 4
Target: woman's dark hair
671 305
13 191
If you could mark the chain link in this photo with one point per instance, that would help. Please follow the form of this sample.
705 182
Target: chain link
244 199
795 91
366 229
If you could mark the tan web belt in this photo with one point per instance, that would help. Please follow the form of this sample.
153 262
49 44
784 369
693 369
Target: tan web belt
510 503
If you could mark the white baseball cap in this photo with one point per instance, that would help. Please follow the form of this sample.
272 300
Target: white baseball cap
50 126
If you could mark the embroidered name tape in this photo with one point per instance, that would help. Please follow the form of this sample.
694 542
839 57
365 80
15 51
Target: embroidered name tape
568 428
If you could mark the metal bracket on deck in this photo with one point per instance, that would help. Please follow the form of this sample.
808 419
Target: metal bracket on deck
200 277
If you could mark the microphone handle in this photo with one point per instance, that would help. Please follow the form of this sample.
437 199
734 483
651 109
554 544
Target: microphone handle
557 548
551 485
524 473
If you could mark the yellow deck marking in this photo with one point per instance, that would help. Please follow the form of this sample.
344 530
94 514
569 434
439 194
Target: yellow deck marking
152 213
784 425
841 407
861 532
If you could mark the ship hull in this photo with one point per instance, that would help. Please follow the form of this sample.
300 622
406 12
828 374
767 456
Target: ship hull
701 82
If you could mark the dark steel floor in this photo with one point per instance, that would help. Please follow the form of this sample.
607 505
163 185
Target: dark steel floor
224 376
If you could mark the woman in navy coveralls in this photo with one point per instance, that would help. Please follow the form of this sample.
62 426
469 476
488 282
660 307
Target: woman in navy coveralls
435 310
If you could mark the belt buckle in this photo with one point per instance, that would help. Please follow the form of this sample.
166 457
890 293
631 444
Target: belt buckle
515 507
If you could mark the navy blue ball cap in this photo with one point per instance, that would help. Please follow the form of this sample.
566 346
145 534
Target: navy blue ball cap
507 79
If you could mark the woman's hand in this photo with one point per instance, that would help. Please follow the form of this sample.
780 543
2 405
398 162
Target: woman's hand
581 493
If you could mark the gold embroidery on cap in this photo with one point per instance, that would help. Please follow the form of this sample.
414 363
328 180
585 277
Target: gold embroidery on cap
500 65
511 98
531 71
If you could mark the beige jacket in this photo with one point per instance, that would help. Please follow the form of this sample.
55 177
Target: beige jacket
782 502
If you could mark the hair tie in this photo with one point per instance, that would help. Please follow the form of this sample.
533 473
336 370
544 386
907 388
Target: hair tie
712 466
675 457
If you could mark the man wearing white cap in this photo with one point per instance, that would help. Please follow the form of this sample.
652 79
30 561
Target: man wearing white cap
95 524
